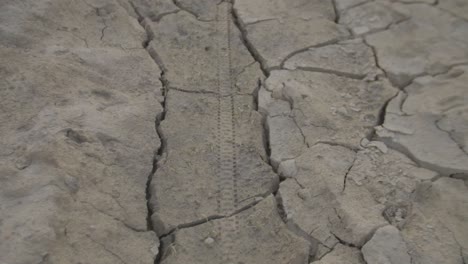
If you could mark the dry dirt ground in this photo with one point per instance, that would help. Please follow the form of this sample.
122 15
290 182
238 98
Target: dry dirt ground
229 132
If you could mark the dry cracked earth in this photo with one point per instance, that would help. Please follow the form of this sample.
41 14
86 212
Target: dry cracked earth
234 132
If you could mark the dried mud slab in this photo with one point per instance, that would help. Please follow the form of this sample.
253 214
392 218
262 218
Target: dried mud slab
185 188
428 122
390 177
327 107
187 50
419 46
352 59
456 7
342 254
154 9
372 17
343 5
437 230
317 202
260 10
298 26
261 237
332 194
204 10
45 24
386 246
79 96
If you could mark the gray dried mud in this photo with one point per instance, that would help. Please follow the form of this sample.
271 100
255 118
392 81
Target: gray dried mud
243 131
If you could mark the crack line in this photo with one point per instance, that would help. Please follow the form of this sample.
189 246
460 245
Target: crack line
158 119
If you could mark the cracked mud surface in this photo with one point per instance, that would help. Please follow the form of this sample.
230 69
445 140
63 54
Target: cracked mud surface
246 131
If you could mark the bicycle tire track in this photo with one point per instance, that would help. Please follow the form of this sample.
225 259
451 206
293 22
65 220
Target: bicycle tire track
226 134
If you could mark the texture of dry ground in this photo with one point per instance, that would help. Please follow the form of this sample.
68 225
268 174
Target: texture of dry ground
342 136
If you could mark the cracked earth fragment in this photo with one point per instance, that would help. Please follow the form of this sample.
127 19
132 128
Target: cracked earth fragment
315 200
390 177
154 10
372 16
352 59
342 254
418 46
260 10
330 108
184 187
437 230
187 52
343 5
78 148
261 238
204 10
386 246
455 7
430 127
293 32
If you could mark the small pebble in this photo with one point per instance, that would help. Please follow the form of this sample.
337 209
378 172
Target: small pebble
209 240
364 142
379 145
